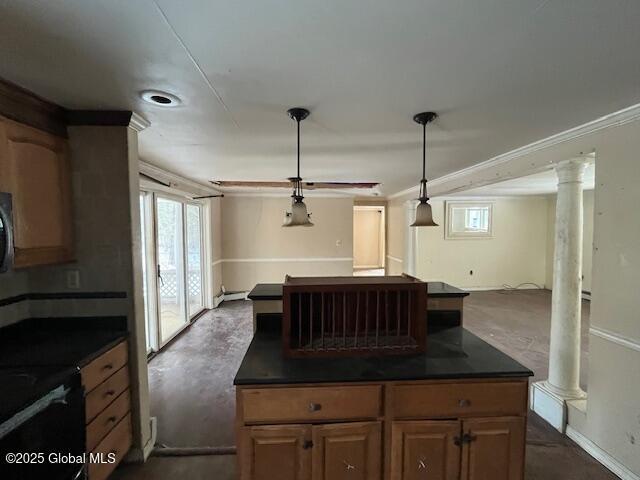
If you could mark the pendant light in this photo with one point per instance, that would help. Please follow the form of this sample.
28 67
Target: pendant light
298 216
424 216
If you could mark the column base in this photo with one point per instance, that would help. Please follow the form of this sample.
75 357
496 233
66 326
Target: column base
551 404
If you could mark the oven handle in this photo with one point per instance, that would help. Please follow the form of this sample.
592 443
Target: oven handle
57 395
6 257
79 474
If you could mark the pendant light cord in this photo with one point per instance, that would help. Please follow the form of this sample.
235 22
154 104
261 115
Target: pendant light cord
423 182
298 180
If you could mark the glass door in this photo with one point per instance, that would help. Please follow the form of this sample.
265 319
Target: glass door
170 239
194 259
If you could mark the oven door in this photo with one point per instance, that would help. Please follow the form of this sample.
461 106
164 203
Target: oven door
6 233
48 441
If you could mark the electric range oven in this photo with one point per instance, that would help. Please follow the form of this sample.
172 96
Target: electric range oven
42 431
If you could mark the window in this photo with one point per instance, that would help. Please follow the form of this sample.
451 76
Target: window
469 220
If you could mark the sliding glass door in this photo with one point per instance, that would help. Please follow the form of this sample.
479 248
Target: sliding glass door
171 270
172 254
194 258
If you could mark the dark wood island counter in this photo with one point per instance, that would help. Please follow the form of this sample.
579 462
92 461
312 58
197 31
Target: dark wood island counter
456 411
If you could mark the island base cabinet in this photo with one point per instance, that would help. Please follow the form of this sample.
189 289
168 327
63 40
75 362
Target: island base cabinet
349 451
474 449
425 449
275 453
493 448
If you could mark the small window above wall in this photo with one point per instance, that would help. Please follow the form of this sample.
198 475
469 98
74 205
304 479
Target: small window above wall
468 220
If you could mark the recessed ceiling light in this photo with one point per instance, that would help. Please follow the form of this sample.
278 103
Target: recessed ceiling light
161 99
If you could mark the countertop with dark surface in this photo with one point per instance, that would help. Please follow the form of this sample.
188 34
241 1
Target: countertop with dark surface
59 341
451 354
273 291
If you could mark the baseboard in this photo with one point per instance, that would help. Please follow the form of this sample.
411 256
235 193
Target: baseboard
235 296
218 300
500 287
600 455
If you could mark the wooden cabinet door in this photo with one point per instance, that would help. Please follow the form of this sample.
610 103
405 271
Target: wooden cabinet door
424 450
347 451
36 171
275 453
493 448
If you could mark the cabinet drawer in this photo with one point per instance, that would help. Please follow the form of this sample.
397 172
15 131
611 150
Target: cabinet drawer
105 393
279 405
104 366
118 443
460 399
105 421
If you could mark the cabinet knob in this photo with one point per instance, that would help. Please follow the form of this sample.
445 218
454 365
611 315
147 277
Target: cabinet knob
464 403
422 465
109 393
307 444
314 407
108 366
111 420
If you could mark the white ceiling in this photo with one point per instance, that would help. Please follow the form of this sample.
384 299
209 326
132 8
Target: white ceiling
501 73
542 183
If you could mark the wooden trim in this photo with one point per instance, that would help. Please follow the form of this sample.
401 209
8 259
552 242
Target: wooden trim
26 107
107 118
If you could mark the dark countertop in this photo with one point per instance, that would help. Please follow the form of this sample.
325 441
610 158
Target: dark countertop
59 341
451 353
273 291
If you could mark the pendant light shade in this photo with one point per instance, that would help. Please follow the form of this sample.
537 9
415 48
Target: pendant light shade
424 215
298 216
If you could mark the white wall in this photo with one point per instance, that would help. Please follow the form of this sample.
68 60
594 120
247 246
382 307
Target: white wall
395 237
515 254
367 241
587 240
613 406
257 248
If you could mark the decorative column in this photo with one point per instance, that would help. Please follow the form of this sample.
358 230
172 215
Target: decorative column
549 397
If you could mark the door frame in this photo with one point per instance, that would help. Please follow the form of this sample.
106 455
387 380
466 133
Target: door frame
382 244
151 196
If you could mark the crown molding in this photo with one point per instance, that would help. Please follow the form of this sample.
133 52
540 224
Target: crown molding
138 122
615 119
176 181
287 194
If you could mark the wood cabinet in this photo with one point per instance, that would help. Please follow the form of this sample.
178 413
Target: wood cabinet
35 170
440 430
493 448
107 408
349 451
346 451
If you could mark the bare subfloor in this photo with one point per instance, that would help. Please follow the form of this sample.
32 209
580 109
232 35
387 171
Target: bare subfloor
192 390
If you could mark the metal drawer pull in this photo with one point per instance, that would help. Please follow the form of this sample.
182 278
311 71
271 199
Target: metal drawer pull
307 444
464 403
421 465
112 419
109 393
314 407
108 366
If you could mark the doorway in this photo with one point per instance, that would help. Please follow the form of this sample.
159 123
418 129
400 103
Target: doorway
173 265
369 240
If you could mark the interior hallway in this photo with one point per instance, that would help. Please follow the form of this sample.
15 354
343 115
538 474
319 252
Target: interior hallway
193 397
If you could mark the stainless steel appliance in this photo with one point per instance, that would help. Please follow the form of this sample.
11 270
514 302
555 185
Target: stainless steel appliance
6 232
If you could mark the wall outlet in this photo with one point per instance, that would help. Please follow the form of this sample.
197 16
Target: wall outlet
73 278
338 243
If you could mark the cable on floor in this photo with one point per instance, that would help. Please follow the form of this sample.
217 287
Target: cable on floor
506 288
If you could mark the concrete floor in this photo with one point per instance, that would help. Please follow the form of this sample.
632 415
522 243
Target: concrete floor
192 391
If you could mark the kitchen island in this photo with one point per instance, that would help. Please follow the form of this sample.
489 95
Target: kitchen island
456 411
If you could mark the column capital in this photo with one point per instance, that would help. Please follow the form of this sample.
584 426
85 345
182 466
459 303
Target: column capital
571 170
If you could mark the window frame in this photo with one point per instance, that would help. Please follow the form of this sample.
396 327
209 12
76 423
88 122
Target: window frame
449 234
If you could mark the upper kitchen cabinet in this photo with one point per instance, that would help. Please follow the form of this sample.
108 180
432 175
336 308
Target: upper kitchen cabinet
35 170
